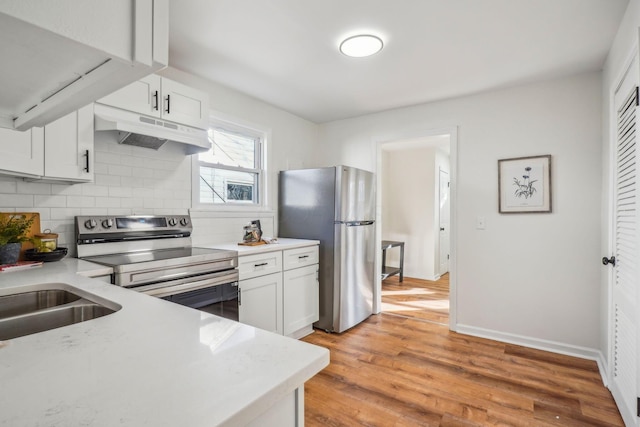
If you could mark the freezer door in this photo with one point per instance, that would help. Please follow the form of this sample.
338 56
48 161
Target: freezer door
355 194
354 275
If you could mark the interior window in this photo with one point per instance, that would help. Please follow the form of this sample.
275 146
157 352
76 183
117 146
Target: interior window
231 171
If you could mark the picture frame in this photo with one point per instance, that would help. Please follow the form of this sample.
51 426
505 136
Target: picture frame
524 185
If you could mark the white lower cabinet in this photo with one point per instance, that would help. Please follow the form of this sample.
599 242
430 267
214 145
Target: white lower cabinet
276 298
261 302
301 295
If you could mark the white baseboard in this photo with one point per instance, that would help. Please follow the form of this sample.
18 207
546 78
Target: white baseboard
552 346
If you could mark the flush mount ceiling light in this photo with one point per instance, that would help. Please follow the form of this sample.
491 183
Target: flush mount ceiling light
361 45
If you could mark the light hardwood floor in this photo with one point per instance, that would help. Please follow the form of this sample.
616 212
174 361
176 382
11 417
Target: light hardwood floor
419 299
393 370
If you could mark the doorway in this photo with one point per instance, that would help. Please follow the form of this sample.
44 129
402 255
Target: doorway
416 182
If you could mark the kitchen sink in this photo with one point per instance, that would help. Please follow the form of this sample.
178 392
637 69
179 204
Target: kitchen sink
29 302
48 307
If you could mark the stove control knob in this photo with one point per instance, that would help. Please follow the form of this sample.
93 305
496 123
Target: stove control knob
107 223
184 222
172 221
90 224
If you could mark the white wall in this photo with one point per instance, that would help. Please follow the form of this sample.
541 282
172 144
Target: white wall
133 180
528 277
625 43
410 208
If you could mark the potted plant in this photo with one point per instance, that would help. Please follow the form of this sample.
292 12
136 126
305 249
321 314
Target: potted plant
13 231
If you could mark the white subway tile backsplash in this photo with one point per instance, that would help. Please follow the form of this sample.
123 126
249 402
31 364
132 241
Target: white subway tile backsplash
153 203
101 168
64 213
133 202
104 157
122 171
26 187
95 190
50 201
66 189
108 202
107 180
8 185
142 172
13 200
81 201
120 192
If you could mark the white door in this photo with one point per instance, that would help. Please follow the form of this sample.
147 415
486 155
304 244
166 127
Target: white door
444 223
624 310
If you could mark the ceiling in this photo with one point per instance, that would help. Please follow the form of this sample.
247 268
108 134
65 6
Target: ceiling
285 52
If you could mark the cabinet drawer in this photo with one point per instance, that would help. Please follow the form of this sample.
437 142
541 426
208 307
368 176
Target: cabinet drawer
300 257
258 265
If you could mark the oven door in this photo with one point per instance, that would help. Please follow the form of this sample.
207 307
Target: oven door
215 293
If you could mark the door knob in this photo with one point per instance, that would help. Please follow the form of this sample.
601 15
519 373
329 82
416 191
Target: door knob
611 261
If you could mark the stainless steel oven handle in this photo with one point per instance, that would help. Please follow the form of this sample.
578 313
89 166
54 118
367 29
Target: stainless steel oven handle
187 284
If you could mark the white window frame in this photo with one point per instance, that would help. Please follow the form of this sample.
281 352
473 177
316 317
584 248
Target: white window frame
218 120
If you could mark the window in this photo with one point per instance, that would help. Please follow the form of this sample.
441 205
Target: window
230 173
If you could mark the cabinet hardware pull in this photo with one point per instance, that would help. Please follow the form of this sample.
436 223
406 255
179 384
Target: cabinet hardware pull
168 110
86 155
155 95
239 296
260 265
303 256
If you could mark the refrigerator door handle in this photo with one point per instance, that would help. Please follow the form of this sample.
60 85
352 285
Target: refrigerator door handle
356 223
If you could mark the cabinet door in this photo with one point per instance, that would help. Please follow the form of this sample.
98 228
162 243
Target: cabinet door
301 295
22 153
261 302
185 105
68 146
142 97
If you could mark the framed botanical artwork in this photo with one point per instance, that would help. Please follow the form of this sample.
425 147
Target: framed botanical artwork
524 185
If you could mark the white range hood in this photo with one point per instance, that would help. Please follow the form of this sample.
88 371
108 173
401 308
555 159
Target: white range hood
148 132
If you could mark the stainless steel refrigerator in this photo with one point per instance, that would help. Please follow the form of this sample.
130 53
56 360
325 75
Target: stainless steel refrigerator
335 205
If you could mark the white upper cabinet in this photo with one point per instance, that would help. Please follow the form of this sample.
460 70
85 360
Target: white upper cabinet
68 147
59 56
163 98
61 151
22 153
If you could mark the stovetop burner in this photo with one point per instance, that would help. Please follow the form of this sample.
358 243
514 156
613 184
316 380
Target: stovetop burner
114 260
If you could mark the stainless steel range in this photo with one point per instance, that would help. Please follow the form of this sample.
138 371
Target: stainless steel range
153 255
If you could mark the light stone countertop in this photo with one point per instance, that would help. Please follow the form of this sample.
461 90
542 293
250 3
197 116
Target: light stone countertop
283 244
152 363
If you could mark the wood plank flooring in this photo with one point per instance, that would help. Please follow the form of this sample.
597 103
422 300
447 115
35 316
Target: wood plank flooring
398 371
416 298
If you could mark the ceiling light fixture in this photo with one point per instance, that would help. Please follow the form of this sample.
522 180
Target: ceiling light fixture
361 45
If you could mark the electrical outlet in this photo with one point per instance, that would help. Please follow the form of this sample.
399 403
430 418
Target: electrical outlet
480 223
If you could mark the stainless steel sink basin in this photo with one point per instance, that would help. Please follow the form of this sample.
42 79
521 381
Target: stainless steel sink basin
29 302
44 307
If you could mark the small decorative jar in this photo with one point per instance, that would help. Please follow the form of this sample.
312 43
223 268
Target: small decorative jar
45 241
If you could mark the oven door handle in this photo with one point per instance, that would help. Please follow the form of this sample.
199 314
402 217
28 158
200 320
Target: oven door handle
188 284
